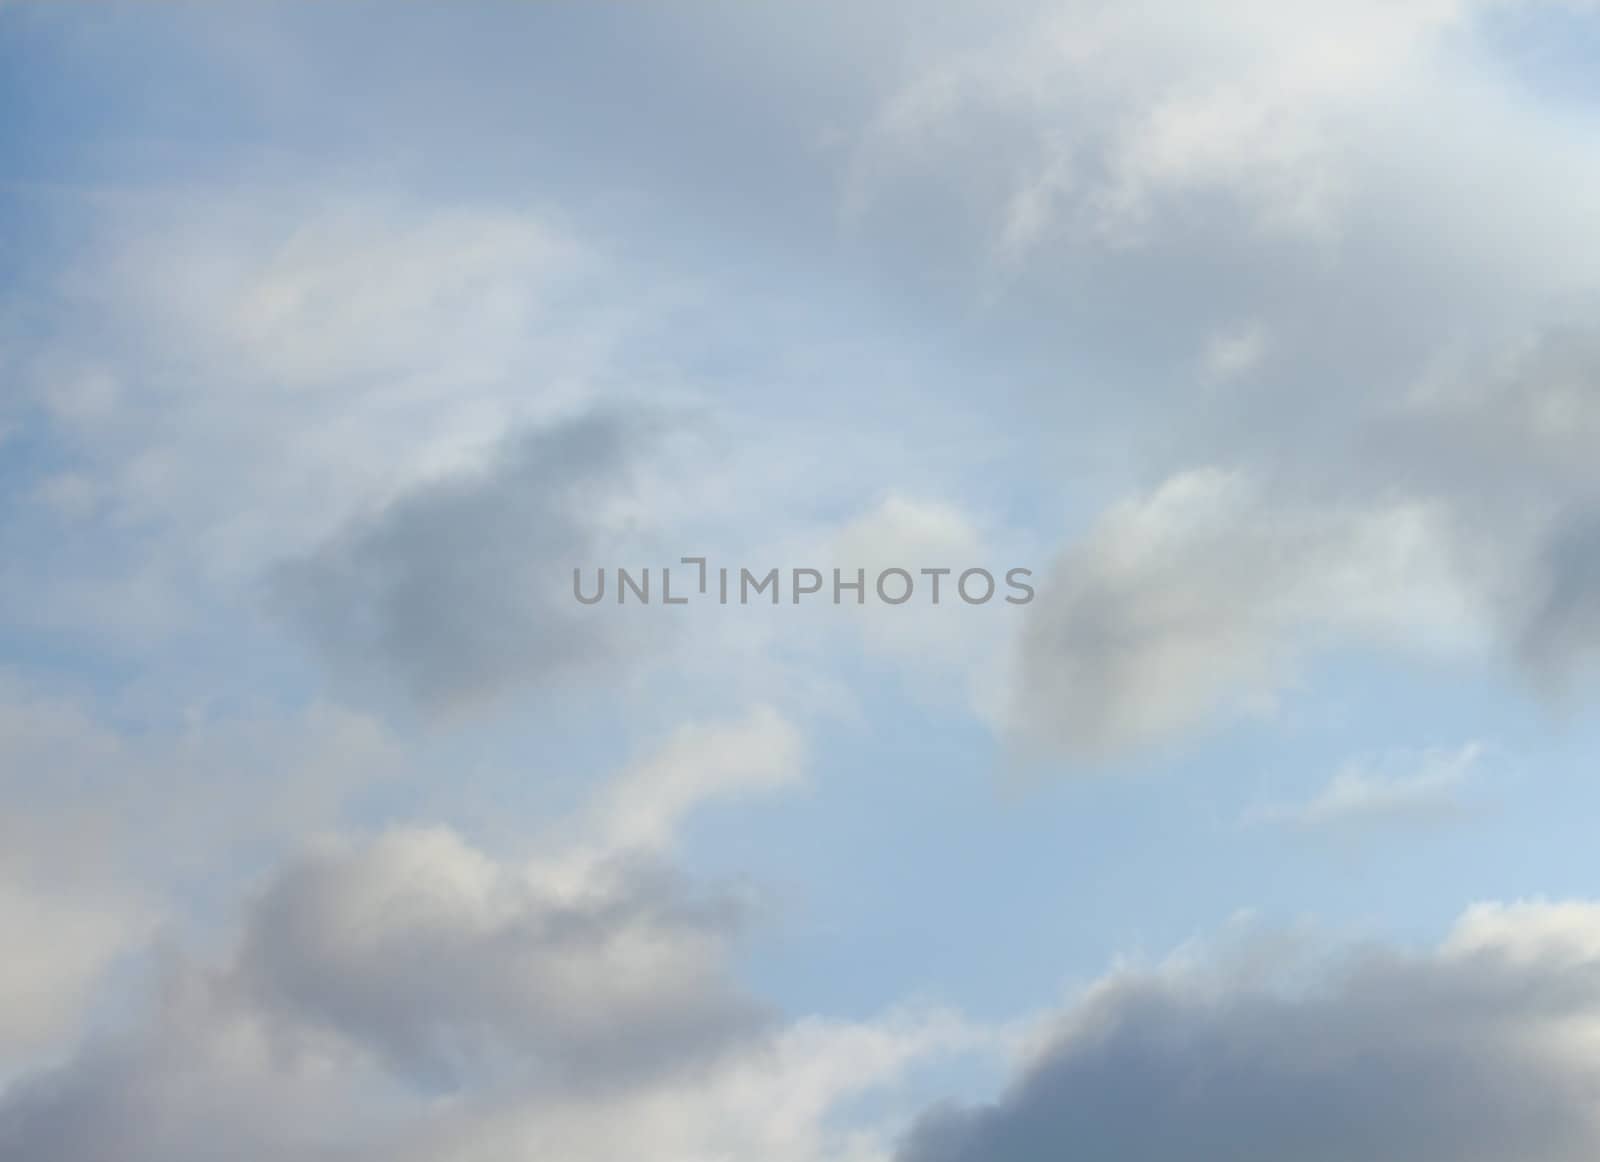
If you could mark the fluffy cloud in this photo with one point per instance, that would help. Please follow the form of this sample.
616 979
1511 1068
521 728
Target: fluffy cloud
589 963
412 996
1480 1051
1200 597
437 957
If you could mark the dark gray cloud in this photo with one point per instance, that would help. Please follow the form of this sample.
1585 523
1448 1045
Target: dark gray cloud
462 588
1561 634
1481 1052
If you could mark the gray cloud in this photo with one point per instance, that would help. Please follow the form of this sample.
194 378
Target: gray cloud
462 588
1509 444
439 960
373 984
1560 636
1479 1052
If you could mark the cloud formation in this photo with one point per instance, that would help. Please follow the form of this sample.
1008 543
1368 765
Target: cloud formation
1244 224
1480 1051
1202 596
411 996
463 587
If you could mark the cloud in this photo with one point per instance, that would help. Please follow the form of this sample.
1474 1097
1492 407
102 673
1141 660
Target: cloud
1360 796
1108 118
212 1071
92 798
1560 636
1138 185
1202 596
225 379
1479 1051
1468 532
1123 126
641 810
91 845
412 996
588 963
787 1099
438 958
61 942
1514 440
462 588
1263 199
912 534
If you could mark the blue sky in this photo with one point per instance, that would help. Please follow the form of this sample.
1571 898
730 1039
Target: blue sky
333 338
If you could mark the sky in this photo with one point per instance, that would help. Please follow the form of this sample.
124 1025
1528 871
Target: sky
1249 349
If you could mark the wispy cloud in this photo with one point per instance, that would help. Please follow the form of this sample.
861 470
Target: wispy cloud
1363 794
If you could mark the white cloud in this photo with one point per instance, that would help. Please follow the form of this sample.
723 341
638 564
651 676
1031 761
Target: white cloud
1203 595
1427 789
1112 125
1114 114
59 942
641 810
912 534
